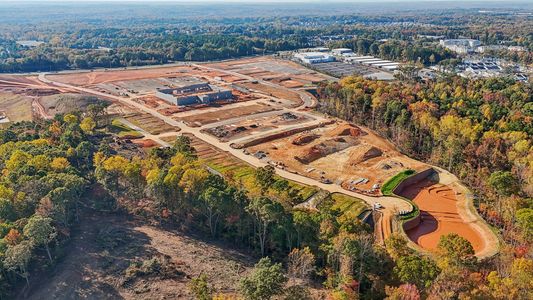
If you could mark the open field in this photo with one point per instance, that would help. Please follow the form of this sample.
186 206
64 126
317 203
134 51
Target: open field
123 131
350 207
201 119
271 69
349 155
439 215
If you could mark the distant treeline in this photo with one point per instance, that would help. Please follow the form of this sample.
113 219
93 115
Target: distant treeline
52 57
145 37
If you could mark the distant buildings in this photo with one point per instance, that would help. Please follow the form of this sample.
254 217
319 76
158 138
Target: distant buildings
29 43
481 68
461 46
314 57
194 92
373 62
466 46
484 49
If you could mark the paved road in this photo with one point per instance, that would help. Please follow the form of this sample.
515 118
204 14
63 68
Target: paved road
389 203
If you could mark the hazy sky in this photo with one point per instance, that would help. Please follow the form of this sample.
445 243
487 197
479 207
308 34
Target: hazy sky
323 1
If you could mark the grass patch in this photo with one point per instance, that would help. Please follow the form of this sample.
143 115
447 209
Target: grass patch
350 207
123 131
392 183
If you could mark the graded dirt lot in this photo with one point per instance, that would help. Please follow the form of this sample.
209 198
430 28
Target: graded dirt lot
340 152
225 114
103 76
105 245
66 103
275 92
15 107
439 215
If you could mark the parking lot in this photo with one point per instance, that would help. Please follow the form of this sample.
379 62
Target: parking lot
342 69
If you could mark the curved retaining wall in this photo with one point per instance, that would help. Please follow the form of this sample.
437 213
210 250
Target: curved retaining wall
412 223
412 180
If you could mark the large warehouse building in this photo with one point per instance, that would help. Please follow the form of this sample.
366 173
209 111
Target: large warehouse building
194 93
314 57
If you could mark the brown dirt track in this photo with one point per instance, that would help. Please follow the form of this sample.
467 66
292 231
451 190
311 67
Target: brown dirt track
440 215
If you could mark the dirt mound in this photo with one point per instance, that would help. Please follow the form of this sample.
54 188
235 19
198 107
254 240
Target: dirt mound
363 153
145 143
66 103
346 130
312 153
304 139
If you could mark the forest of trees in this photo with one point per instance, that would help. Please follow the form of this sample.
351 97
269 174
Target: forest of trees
480 130
139 52
397 50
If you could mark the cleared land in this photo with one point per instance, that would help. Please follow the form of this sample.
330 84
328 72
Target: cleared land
65 103
96 77
350 155
105 245
201 119
228 165
15 108
341 153
275 92
439 215
252 125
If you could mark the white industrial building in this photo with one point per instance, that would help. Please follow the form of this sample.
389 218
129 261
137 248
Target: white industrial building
390 67
362 58
341 51
373 61
319 49
314 57
386 63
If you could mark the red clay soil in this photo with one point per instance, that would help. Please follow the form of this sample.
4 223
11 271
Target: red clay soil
439 216
346 130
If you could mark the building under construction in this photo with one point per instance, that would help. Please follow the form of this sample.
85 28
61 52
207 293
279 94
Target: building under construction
194 93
